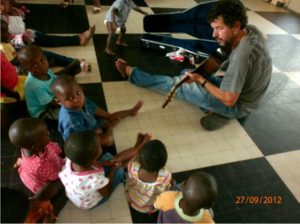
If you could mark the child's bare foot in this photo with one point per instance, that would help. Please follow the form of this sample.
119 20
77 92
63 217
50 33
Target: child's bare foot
109 51
124 68
121 44
136 108
142 139
87 35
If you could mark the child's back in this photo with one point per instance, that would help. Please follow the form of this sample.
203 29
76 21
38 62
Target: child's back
41 161
192 204
148 177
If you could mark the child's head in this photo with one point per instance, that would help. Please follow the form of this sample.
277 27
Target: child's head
199 191
153 156
5 35
33 60
83 148
29 133
68 92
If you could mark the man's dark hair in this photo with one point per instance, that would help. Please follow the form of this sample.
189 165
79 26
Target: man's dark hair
81 147
14 206
153 156
231 11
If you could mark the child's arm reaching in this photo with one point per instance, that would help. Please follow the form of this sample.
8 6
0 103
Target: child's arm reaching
107 190
18 163
125 156
49 190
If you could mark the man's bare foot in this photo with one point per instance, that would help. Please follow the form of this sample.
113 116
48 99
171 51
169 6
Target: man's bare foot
124 68
87 35
121 44
109 51
136 108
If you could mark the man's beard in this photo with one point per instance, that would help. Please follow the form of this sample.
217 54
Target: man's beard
227 48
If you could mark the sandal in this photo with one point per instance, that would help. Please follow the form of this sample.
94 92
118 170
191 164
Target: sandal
85 66
96 10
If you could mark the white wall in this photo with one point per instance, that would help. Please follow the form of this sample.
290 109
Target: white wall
294 5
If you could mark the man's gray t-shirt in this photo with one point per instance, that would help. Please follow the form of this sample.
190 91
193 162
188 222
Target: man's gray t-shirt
124 7
249 71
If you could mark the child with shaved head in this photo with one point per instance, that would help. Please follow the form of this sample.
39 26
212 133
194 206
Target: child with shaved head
192 204
79 113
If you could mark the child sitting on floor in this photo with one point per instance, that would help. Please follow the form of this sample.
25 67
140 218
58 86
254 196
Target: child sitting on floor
147 177
12 84
116 17
39 98
88 182
41 159
70 65
192 204
79 113
23 36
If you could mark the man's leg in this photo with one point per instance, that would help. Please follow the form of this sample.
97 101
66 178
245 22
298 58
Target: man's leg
192 93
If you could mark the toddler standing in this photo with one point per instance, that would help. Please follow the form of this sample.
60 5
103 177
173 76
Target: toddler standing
116 17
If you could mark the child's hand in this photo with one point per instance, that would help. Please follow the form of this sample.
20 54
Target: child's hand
98 131
18 163
116 163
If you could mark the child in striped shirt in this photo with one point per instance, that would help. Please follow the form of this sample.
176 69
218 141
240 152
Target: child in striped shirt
147 177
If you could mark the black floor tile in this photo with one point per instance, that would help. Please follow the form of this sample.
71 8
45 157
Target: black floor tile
274 126
95 93
288 21
285 52
166 10
103 2
54 19
253 181
140 3
148 59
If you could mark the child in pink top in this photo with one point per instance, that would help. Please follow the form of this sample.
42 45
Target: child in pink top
41 161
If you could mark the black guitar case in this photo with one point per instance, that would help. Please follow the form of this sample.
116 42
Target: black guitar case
192 21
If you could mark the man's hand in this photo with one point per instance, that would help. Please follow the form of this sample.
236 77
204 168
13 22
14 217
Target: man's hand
193 77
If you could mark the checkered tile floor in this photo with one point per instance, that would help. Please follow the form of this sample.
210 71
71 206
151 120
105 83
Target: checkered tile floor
256 157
